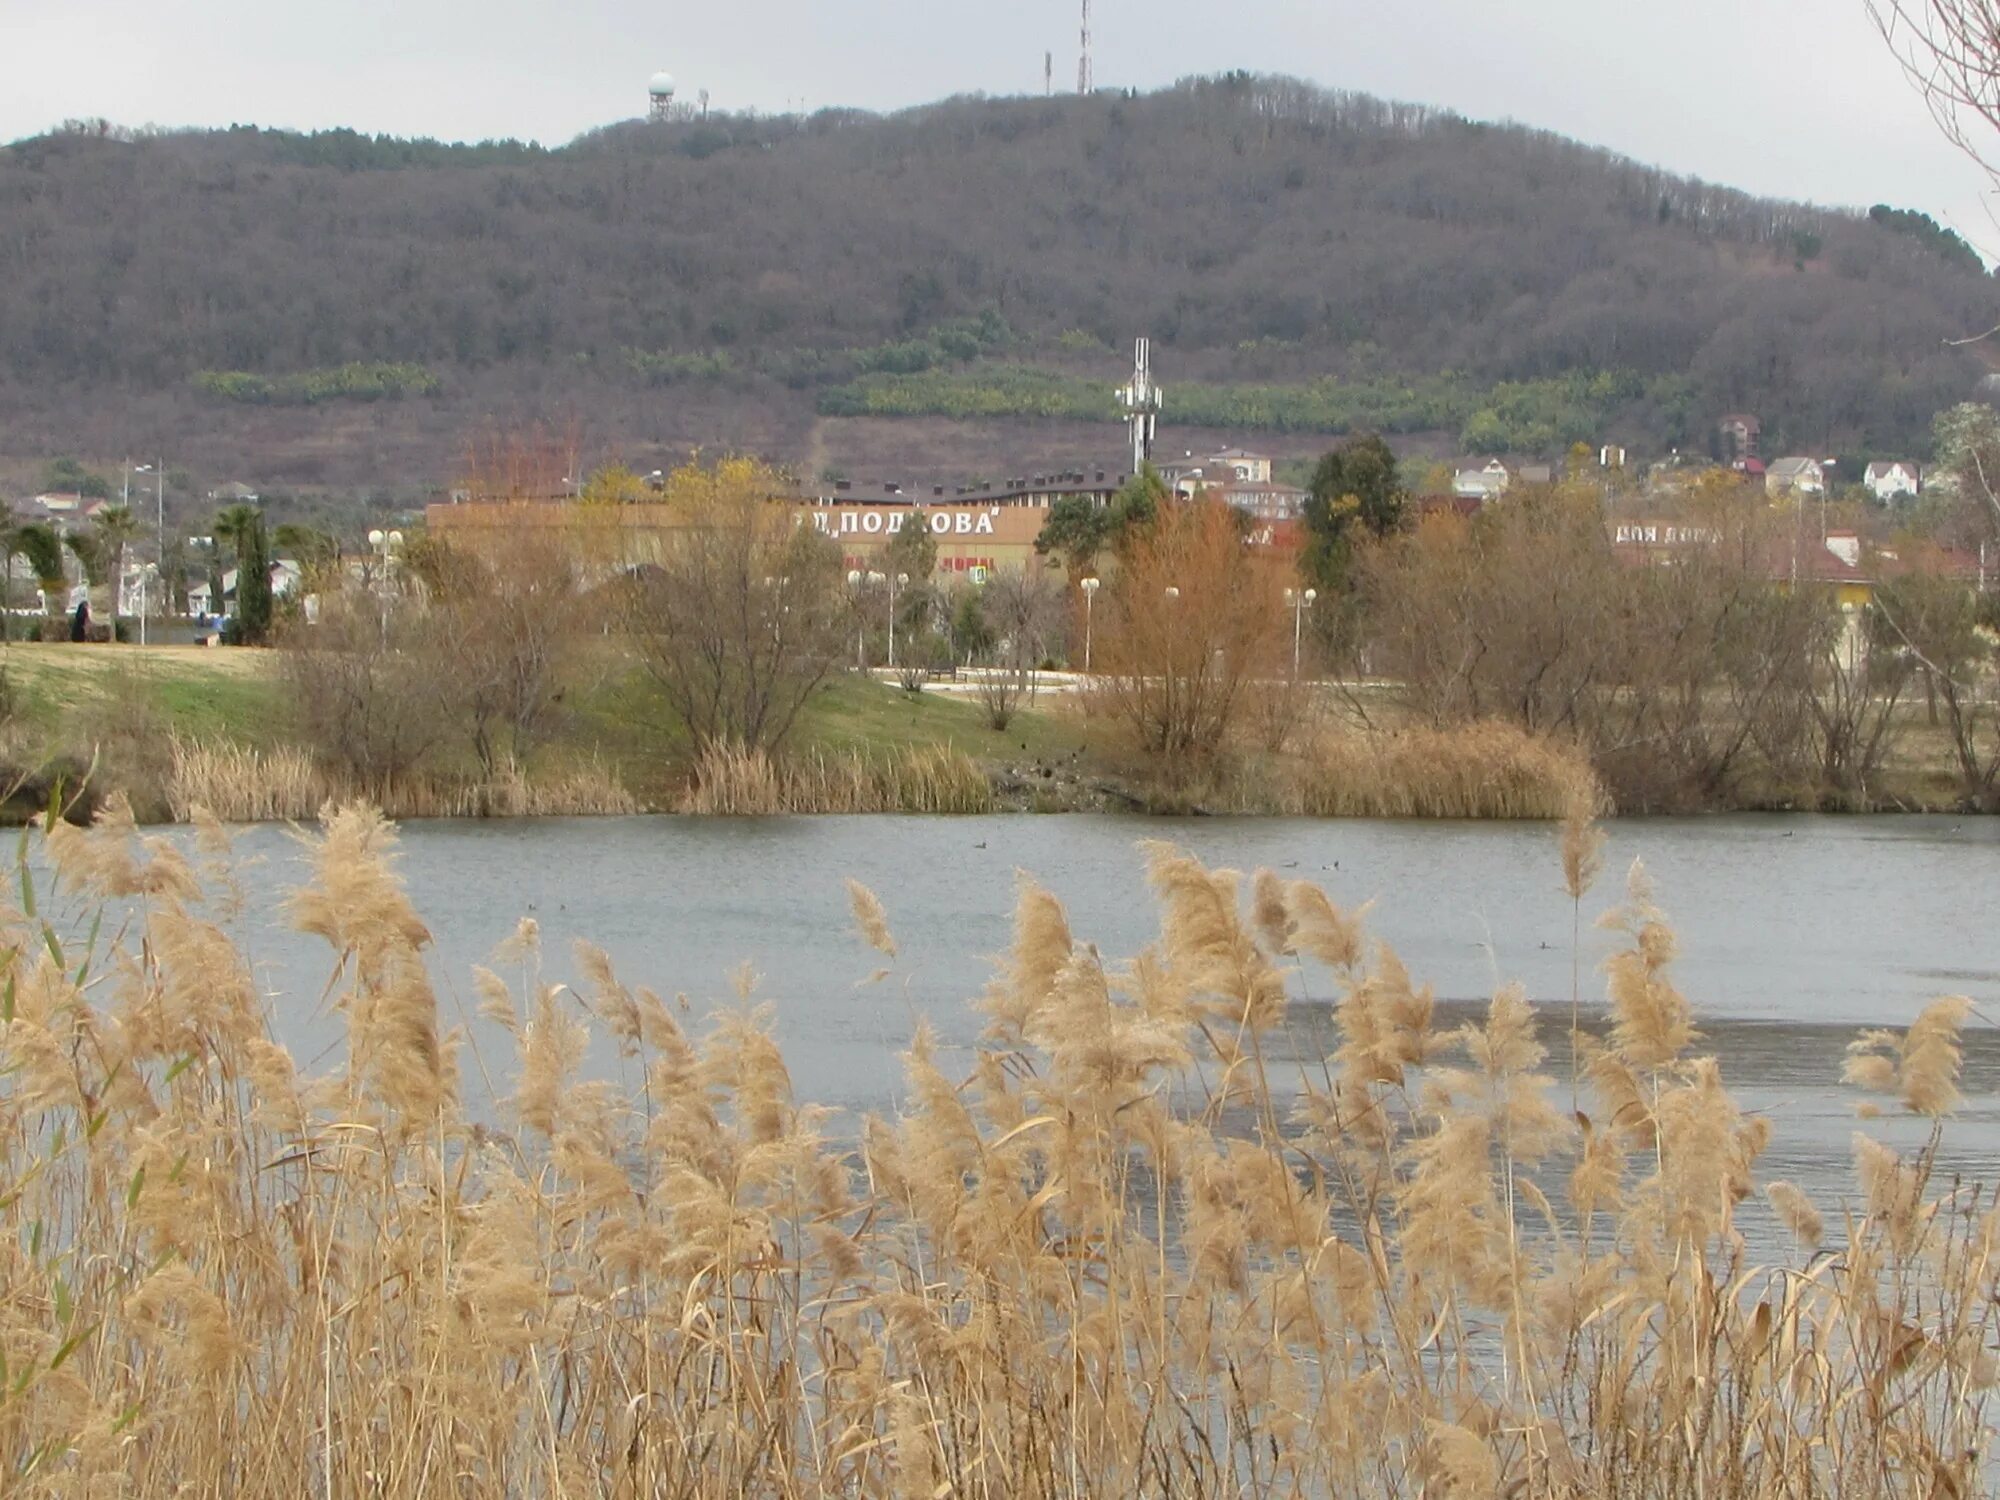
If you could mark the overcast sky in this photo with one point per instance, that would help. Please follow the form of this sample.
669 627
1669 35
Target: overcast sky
1796 98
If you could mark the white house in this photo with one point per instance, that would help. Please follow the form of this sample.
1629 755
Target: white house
1802 474
1893 479
1488 482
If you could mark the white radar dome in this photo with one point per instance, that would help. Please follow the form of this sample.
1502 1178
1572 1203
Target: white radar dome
662 86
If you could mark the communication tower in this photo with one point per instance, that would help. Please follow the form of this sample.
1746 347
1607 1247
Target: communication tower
1083 55
1048 73
1140 402
660 98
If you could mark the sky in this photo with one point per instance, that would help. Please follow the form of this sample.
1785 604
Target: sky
1791 98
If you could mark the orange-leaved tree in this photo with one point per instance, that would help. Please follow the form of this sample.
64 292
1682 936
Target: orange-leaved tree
1193 616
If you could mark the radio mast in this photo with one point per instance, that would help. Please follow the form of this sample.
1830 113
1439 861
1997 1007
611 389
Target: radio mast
1048 74
1083 56
1140 401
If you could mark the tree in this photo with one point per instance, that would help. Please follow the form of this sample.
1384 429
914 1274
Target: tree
114 528
1020 617
67 476
1947 630
243 527
507 621
1191 617
373 692
912 555
1950 49
736 615
41 544
1077 529
1355 492
1966 475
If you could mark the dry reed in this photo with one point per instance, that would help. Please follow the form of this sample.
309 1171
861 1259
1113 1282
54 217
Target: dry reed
1116 1260
1487 769
732 781
241 784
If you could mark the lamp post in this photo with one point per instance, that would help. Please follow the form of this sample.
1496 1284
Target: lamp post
1825 489
894 580
1300 601
854 581
147 572
1090 587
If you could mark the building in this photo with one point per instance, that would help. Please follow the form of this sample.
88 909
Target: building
1736 438
1029 491
1266 501
1488 481
1803 475
1893 479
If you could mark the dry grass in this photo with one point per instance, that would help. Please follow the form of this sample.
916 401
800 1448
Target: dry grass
238 784
1114 1261
1488 769
916 779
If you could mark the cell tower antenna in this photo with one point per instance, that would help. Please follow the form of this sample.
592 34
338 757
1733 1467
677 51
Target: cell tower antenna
1048 73
1083 56
1140 402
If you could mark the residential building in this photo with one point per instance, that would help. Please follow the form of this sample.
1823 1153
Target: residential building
1737 436
1489 481
1803 475
1893 479
1263 499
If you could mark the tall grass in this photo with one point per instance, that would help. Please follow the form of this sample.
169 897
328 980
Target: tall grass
917 779
241 784
1485 769
1120 1257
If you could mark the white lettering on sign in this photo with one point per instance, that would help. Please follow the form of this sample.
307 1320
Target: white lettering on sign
849 522
985 527
940 523
820 521
1652 534
964 526
872 521
895 524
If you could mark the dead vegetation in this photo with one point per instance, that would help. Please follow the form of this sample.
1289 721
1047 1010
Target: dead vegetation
1122 1257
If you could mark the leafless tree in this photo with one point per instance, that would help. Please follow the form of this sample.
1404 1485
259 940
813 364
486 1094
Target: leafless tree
737 613
1023 614
508 620
372 690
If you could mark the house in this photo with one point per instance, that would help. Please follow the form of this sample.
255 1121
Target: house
64 510
233 493
1537 474
1893 479
285 576
1803 475
1488 482
1611 456
1736 438
1191 472
1262 499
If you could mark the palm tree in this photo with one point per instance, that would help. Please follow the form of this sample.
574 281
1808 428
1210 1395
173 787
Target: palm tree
42 545
114 528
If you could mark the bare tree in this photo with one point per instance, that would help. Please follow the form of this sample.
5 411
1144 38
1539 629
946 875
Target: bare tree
508 619
1191 618
1023 616
372 691
737 612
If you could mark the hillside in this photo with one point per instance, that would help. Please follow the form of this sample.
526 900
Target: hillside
337 308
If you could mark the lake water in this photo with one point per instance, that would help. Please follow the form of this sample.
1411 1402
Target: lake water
1794 931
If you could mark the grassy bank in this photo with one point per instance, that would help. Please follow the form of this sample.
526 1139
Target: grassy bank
178 727
1113 1252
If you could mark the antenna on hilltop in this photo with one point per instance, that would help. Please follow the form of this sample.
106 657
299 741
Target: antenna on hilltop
1083 56
1048 73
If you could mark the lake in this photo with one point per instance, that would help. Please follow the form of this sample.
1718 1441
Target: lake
1794 930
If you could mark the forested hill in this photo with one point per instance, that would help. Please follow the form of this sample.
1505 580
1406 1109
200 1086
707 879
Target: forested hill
1349 262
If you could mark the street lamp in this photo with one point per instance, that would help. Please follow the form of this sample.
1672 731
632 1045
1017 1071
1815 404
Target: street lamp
1300 603
1090 587
147 572
904 580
